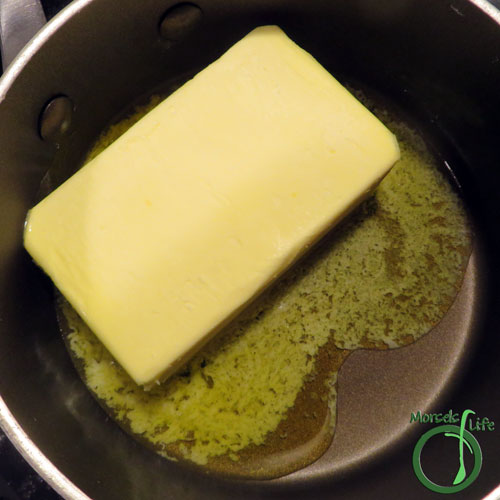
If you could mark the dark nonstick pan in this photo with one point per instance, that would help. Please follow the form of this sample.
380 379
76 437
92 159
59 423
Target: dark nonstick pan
436 60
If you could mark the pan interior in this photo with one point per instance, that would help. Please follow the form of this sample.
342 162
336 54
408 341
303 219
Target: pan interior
370 395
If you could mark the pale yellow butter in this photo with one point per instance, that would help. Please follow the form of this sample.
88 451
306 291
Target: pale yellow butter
169 232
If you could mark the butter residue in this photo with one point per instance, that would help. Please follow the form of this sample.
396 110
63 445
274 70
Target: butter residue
381 280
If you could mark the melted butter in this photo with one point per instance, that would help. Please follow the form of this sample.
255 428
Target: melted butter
260 400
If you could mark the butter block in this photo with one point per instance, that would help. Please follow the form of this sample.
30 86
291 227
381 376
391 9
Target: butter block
162 238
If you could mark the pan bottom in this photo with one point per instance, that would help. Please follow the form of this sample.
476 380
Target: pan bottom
377 391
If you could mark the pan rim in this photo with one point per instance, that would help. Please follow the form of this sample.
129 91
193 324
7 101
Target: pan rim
34 45
33 455
13 430
488 8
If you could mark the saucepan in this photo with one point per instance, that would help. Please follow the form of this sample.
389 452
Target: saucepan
436 60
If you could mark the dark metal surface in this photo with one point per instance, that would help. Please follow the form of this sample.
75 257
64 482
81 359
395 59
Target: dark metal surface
18 480
19 21
438 60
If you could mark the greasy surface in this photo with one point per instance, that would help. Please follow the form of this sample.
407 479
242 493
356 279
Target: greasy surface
254 403
175 227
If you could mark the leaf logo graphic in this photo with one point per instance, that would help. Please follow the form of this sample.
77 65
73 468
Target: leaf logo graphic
463 479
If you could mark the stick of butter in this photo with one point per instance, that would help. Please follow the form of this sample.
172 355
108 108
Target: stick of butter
169 232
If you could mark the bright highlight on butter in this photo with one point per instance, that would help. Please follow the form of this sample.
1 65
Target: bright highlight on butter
162 238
